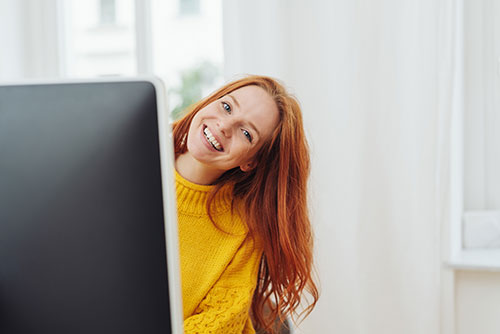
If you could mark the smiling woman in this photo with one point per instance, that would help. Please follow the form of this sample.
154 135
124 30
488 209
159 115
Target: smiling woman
245 238
227 133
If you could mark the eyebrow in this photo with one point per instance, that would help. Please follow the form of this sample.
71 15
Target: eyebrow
234 100
238 105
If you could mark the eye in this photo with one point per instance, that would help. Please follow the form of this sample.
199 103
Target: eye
248 135
226 107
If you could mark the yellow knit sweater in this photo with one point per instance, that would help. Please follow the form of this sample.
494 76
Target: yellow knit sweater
218 268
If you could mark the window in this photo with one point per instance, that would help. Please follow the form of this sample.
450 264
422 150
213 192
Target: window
107 12
187 53
189 7
129 37
477 234
100 38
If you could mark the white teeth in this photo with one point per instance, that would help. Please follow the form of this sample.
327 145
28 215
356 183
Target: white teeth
211 138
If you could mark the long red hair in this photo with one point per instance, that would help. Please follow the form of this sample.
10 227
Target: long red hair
274 195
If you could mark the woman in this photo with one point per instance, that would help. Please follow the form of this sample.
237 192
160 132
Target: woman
245 238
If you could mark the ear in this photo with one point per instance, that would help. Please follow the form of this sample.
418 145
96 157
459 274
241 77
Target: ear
248 166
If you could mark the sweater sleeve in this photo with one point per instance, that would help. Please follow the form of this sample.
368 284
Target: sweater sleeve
225 308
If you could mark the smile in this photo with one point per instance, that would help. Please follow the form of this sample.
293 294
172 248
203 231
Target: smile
211 139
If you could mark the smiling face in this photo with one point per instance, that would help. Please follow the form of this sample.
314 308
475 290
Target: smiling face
228 132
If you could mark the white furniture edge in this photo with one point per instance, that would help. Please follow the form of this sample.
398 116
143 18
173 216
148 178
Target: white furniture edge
170 207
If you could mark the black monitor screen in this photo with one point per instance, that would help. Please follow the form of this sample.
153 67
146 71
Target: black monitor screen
82 240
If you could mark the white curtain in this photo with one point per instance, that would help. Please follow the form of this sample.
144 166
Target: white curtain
374 81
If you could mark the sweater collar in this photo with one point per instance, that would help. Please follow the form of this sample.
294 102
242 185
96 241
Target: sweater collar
192 198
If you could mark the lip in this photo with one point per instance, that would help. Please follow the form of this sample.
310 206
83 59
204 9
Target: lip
207 143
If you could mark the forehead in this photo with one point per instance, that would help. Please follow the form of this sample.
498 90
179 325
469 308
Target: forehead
254 101
253 98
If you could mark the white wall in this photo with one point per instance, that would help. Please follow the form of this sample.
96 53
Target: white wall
478 302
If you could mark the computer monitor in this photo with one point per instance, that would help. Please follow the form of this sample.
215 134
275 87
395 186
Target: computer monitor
88 234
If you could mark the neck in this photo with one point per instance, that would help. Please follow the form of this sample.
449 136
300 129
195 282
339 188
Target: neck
194 171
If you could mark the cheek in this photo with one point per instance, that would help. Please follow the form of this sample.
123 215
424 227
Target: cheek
195 121
192 135
243 152
195 124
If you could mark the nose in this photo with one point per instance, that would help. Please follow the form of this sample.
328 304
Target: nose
225 127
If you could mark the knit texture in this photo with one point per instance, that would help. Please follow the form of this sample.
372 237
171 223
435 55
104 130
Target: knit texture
219 263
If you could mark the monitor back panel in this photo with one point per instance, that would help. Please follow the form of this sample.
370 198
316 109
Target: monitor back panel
82 242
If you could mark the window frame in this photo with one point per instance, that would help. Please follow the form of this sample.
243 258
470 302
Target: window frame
460 256
142 36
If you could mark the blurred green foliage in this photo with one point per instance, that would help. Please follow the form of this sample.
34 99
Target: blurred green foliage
194 82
